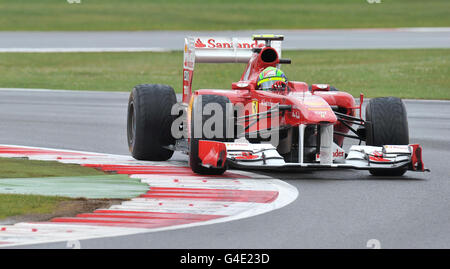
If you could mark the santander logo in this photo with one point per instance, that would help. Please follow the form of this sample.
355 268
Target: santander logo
213 44
338 154
199 44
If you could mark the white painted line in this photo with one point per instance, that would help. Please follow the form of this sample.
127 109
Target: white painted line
425 29
204 182
425 101
186 206
66 50
89 158
56 91
59 233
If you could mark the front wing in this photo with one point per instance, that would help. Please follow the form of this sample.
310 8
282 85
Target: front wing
243 155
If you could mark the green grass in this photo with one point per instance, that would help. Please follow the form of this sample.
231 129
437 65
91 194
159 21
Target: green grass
51 15
410 73
16 204
22 168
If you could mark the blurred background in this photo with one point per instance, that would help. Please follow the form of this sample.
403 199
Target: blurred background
380 47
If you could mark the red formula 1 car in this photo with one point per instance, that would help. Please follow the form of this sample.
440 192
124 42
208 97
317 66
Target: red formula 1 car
299 126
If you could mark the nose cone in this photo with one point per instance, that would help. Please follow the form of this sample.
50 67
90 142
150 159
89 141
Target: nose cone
311 109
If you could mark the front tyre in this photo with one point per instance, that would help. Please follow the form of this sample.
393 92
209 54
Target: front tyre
387 124
198 121
149 122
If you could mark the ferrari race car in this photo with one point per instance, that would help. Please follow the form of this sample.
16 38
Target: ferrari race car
299 126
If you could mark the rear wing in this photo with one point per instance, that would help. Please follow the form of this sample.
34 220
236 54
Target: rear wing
221 50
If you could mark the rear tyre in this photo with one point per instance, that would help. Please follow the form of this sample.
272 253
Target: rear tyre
149 122
198 122
387 124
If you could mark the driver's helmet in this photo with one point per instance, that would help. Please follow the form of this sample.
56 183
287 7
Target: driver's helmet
271 78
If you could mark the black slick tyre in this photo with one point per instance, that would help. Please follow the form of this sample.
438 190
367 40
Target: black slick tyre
149 122
387 124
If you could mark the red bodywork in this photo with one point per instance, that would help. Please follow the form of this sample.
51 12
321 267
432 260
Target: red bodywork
307 107
212 153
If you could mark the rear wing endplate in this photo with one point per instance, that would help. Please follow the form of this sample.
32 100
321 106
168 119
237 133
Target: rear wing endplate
220 50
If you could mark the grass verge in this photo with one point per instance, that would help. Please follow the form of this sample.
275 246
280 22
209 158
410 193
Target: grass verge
22 168
17 204
17 208
408 73
59 15
39 207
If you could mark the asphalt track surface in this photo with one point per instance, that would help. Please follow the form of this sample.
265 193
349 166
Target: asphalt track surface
335 209
174 40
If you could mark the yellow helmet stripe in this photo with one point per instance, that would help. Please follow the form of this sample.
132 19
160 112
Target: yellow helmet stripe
270 79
